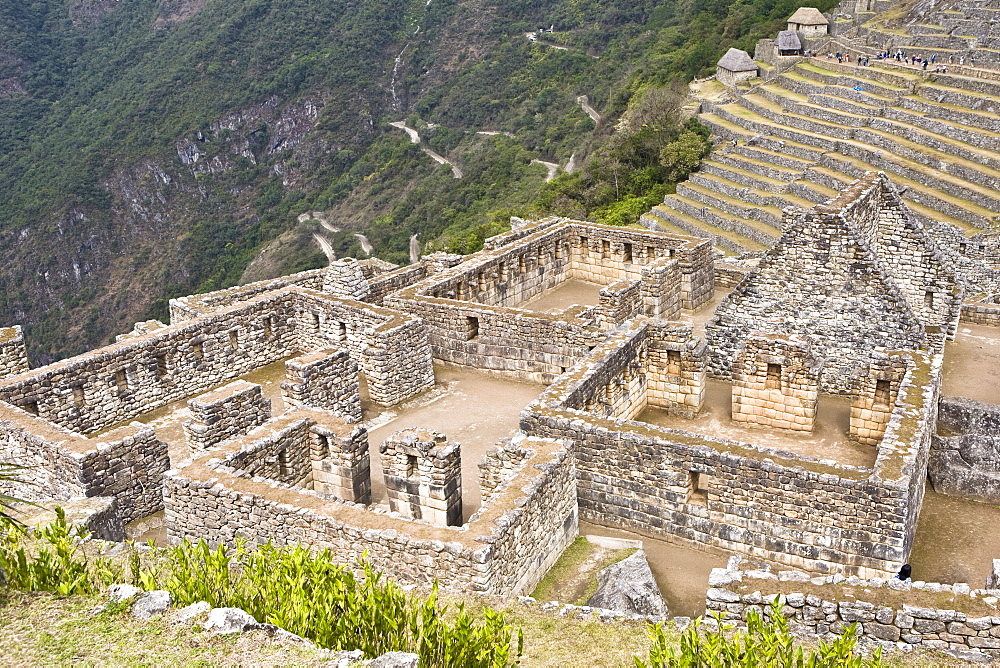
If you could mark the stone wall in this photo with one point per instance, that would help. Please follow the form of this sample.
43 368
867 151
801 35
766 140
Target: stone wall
13 354
230 411
281 451
126 463
965 453
423 476
776 382
121 381
498 465
341 463
837 279
504 549
968 628
473 310
794 509
323 380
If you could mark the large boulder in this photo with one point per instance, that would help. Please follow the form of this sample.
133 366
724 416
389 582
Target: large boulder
228 620
629 587
151 604
395 660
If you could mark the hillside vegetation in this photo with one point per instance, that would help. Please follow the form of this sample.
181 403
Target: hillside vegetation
153 148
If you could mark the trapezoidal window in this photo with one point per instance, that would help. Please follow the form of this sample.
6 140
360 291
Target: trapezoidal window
78 395
266 324
929 298
773 380
882 393
324 446
198 350
605 249
160 364
673 362
411 466
283 463
234 339
473 327
626 252
314 321
121 381
698 484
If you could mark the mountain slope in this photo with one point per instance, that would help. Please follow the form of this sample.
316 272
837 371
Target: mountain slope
153 148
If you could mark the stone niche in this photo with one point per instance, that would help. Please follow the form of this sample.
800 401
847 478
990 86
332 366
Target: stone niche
423 476
776 383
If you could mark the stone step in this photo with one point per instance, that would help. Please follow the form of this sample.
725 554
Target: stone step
711 215
728 241
799 121
760 167
963 213
811 191
778 157
743 177
963 116
729 130
793 80
966 179
984 138
747 194
883 81
836 110
976 94
764 218
977 168
763 127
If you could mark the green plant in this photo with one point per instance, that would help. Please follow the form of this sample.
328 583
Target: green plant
47 559
312 595
10 474
766 643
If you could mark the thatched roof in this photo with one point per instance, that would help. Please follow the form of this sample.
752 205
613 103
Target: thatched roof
788 40
737 61
808 16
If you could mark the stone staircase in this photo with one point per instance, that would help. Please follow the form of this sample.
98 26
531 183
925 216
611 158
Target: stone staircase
807 132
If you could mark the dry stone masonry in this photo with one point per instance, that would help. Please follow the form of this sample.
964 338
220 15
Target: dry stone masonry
856 300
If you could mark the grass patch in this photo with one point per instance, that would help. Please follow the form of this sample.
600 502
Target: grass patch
573 578
613 558
570 560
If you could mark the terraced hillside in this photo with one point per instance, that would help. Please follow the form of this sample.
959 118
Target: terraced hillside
809 131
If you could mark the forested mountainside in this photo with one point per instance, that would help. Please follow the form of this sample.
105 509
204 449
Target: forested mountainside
154 148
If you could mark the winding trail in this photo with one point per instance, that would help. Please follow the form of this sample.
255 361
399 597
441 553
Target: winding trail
327 226
551 166
325 247
366 245
437 157
414 250
585 105
570 164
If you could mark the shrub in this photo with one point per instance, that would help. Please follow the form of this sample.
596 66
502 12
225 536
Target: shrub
311 595
766 643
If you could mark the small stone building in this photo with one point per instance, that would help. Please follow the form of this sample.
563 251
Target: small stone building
788 44
734 67
809 22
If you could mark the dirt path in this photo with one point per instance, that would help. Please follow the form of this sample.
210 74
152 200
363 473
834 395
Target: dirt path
366 245
325 247
584 103
437 157
414 135
414 250
551 166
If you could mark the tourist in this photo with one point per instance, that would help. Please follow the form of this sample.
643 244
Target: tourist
904 573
